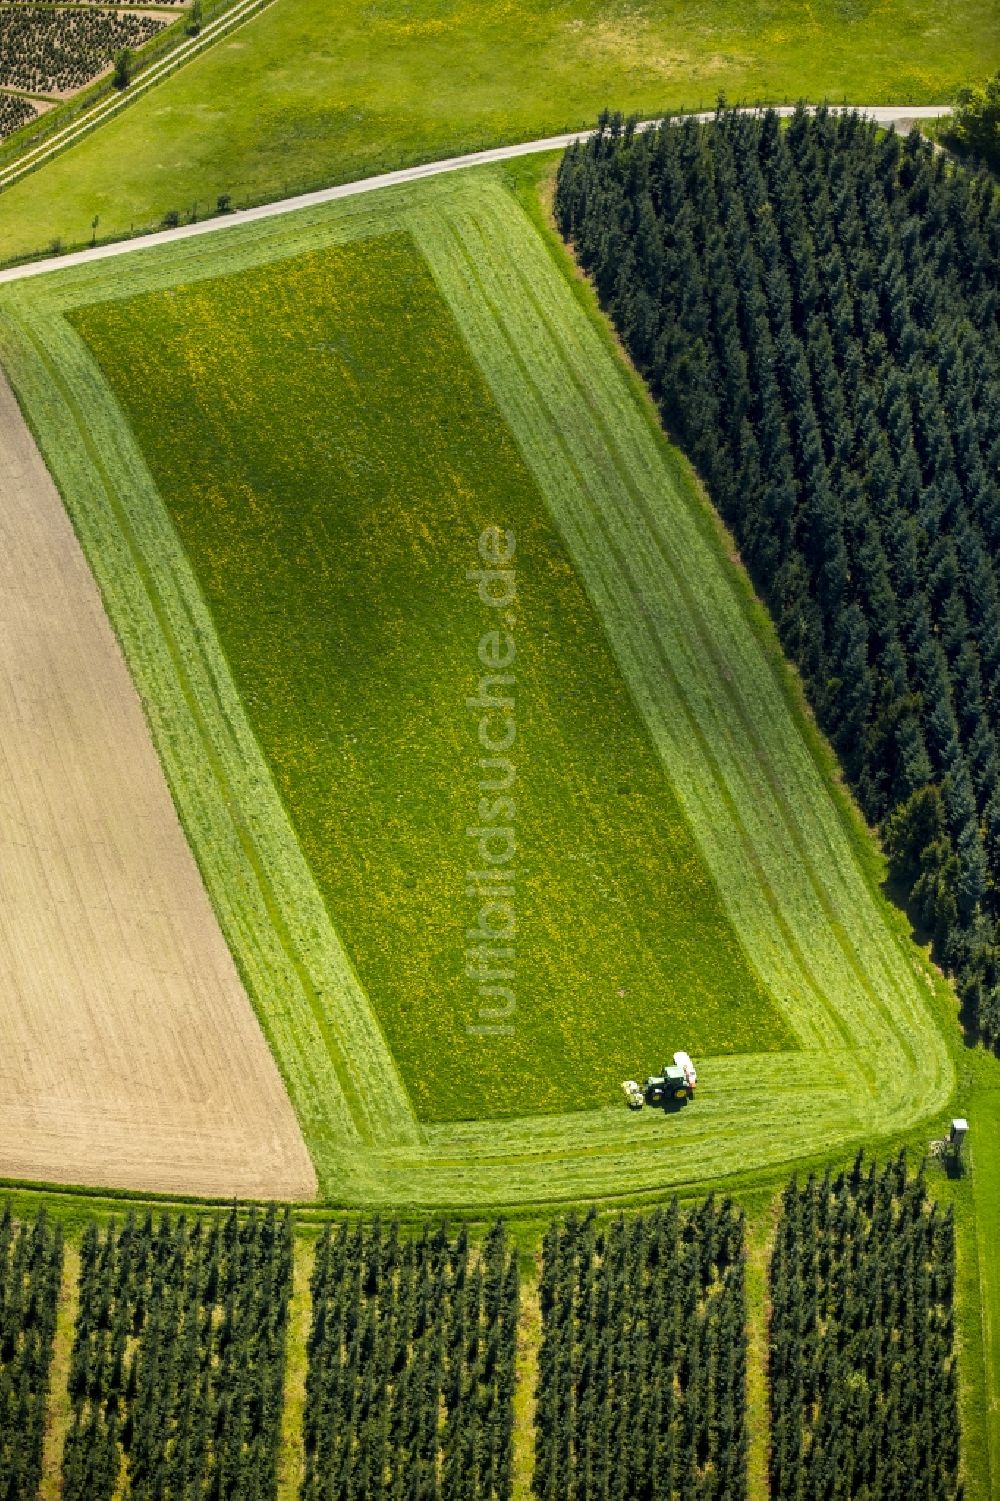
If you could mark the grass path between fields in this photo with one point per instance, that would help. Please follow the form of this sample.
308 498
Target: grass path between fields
291 1455
59 1411
761 1227
529 1335
795 869
984 1128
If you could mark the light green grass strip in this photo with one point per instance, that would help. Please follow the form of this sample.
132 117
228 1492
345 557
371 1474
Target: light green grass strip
984 1122
305 991
793 866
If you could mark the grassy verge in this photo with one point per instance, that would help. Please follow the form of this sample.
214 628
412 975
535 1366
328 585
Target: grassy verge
319 91
761 1221
291 1463
529 1334
984 1121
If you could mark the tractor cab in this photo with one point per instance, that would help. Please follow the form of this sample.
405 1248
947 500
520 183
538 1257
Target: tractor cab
674 1083
682 1061
670 1085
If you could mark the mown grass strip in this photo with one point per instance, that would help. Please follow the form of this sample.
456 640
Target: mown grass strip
288 954
660 553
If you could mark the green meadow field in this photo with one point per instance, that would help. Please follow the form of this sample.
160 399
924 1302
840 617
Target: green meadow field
423 363
332 460
318 91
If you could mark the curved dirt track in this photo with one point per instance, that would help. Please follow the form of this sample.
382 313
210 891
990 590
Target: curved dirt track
129 1052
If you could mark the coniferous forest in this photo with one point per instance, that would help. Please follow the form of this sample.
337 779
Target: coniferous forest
410 1388
863 1382
641 1383
816 309
31 1255
177 1367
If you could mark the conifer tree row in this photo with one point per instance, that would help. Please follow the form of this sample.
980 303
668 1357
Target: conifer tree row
642 1366
31 1257
410 1385
14 112
816 311
862 1365
177 1367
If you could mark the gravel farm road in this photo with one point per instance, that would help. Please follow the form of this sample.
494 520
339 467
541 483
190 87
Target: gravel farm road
900 115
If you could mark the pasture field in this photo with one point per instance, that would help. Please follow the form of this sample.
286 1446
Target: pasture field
129 1053
319 91
332 460
794 871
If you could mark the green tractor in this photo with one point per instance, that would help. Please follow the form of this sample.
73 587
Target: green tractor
677 1082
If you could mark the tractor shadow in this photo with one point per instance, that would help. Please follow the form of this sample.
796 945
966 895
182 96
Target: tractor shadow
669 1106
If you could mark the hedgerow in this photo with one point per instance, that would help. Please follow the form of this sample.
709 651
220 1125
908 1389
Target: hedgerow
410 1386
862 1364
975 126
816 310
178 1359
641 1387
31 1256
48 50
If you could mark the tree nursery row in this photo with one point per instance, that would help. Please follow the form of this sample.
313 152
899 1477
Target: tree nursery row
54 50
177 1370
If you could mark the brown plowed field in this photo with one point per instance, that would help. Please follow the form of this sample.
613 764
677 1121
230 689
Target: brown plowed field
129 1052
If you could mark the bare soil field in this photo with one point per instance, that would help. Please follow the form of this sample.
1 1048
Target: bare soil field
129 1052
